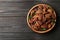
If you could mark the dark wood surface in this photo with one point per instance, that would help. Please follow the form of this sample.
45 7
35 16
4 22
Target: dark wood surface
13 24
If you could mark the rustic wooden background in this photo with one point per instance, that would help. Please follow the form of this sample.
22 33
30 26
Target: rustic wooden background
13 24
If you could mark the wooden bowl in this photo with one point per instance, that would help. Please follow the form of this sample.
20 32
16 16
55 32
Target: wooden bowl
33 28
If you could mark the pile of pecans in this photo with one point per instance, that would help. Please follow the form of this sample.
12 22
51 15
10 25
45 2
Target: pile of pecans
42 17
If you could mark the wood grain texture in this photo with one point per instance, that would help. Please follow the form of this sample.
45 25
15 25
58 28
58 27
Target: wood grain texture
13 24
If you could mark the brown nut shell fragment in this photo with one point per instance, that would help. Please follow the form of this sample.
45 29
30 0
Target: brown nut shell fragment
32 12
39 22
48 21
45 7
54 15
40 7
30 21
50 11
43 19
44 26
39 11
34 19
49 25
48 16
40 17
36 26
44 11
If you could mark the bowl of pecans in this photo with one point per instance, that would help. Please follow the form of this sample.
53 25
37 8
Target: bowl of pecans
41 18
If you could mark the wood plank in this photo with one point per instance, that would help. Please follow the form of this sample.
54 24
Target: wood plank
16 0
15 8
13 24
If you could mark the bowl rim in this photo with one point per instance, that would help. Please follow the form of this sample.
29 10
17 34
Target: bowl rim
40 31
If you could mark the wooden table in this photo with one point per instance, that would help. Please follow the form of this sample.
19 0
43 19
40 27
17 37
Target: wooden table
13 24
